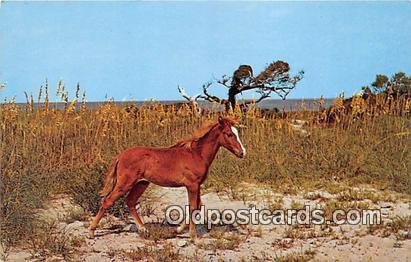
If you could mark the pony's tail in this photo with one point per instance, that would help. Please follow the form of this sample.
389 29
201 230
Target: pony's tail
110 180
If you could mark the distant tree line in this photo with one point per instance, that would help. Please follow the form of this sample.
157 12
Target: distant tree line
384 95
399 85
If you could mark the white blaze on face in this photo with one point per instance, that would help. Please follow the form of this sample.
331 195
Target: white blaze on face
235 131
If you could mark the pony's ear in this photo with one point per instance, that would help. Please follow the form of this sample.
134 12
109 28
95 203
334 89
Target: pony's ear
221 121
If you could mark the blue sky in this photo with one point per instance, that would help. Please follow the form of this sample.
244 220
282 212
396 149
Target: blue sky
143 50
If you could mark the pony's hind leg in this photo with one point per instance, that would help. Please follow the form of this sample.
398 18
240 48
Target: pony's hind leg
132 199
120 189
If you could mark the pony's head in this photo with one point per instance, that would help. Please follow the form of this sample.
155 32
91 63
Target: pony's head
229 137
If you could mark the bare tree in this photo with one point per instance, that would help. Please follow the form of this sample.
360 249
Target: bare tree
192 100
275 78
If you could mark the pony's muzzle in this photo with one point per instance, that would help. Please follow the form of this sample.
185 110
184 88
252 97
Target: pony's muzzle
240 154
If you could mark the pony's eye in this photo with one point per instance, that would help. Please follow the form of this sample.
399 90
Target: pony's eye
229 134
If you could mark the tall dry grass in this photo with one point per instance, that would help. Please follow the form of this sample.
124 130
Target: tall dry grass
45 151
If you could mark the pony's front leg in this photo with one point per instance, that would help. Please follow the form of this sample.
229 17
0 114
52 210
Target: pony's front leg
183 224
193 201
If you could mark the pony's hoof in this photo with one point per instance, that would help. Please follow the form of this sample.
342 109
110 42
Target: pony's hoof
193 235
91 234
142 230
180 228
194 238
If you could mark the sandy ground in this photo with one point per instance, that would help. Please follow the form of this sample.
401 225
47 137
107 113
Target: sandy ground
116 238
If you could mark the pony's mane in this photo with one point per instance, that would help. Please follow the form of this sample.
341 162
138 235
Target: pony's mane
199 133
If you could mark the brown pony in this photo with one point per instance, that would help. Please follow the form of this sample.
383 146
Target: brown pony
185 164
